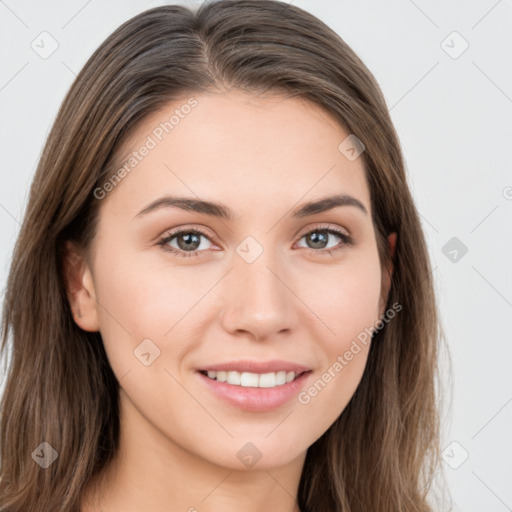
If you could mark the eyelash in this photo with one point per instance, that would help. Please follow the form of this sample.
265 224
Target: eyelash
346 241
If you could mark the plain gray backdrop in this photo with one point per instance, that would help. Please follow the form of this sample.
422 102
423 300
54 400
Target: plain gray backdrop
445 70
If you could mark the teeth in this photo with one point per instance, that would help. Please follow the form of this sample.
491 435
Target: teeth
267 380
253 380
234 378
248 380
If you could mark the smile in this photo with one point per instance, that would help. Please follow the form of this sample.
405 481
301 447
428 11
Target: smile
256 392
253 380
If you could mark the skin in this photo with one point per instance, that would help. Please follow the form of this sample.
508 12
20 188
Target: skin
261 157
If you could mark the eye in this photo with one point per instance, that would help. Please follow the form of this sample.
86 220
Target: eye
186 239
319 237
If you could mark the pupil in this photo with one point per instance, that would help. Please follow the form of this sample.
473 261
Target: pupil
191 238
318 237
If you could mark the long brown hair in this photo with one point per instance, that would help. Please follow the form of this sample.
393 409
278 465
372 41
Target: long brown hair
382 452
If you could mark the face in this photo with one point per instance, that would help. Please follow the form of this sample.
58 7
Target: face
253 291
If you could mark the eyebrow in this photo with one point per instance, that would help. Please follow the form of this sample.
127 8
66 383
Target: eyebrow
221 211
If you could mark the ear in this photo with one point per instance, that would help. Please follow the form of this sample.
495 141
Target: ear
387 277
80 288
392 245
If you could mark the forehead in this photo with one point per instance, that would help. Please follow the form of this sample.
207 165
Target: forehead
244 150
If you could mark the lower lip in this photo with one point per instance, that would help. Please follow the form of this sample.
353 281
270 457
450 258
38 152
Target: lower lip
256 399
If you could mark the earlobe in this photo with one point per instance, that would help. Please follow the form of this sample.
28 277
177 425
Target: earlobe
80 288
391 267
392 245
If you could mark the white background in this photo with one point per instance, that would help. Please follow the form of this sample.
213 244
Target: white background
454 119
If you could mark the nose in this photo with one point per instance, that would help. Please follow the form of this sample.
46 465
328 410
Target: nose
258 300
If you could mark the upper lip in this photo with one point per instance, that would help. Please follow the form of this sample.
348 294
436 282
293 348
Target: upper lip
274 365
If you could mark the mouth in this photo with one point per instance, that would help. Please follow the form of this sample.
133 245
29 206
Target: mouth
255 392
254 380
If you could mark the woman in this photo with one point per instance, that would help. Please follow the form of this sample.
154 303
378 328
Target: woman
221 296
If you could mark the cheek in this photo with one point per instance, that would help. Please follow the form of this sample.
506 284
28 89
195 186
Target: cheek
348 308
140 300
348 301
